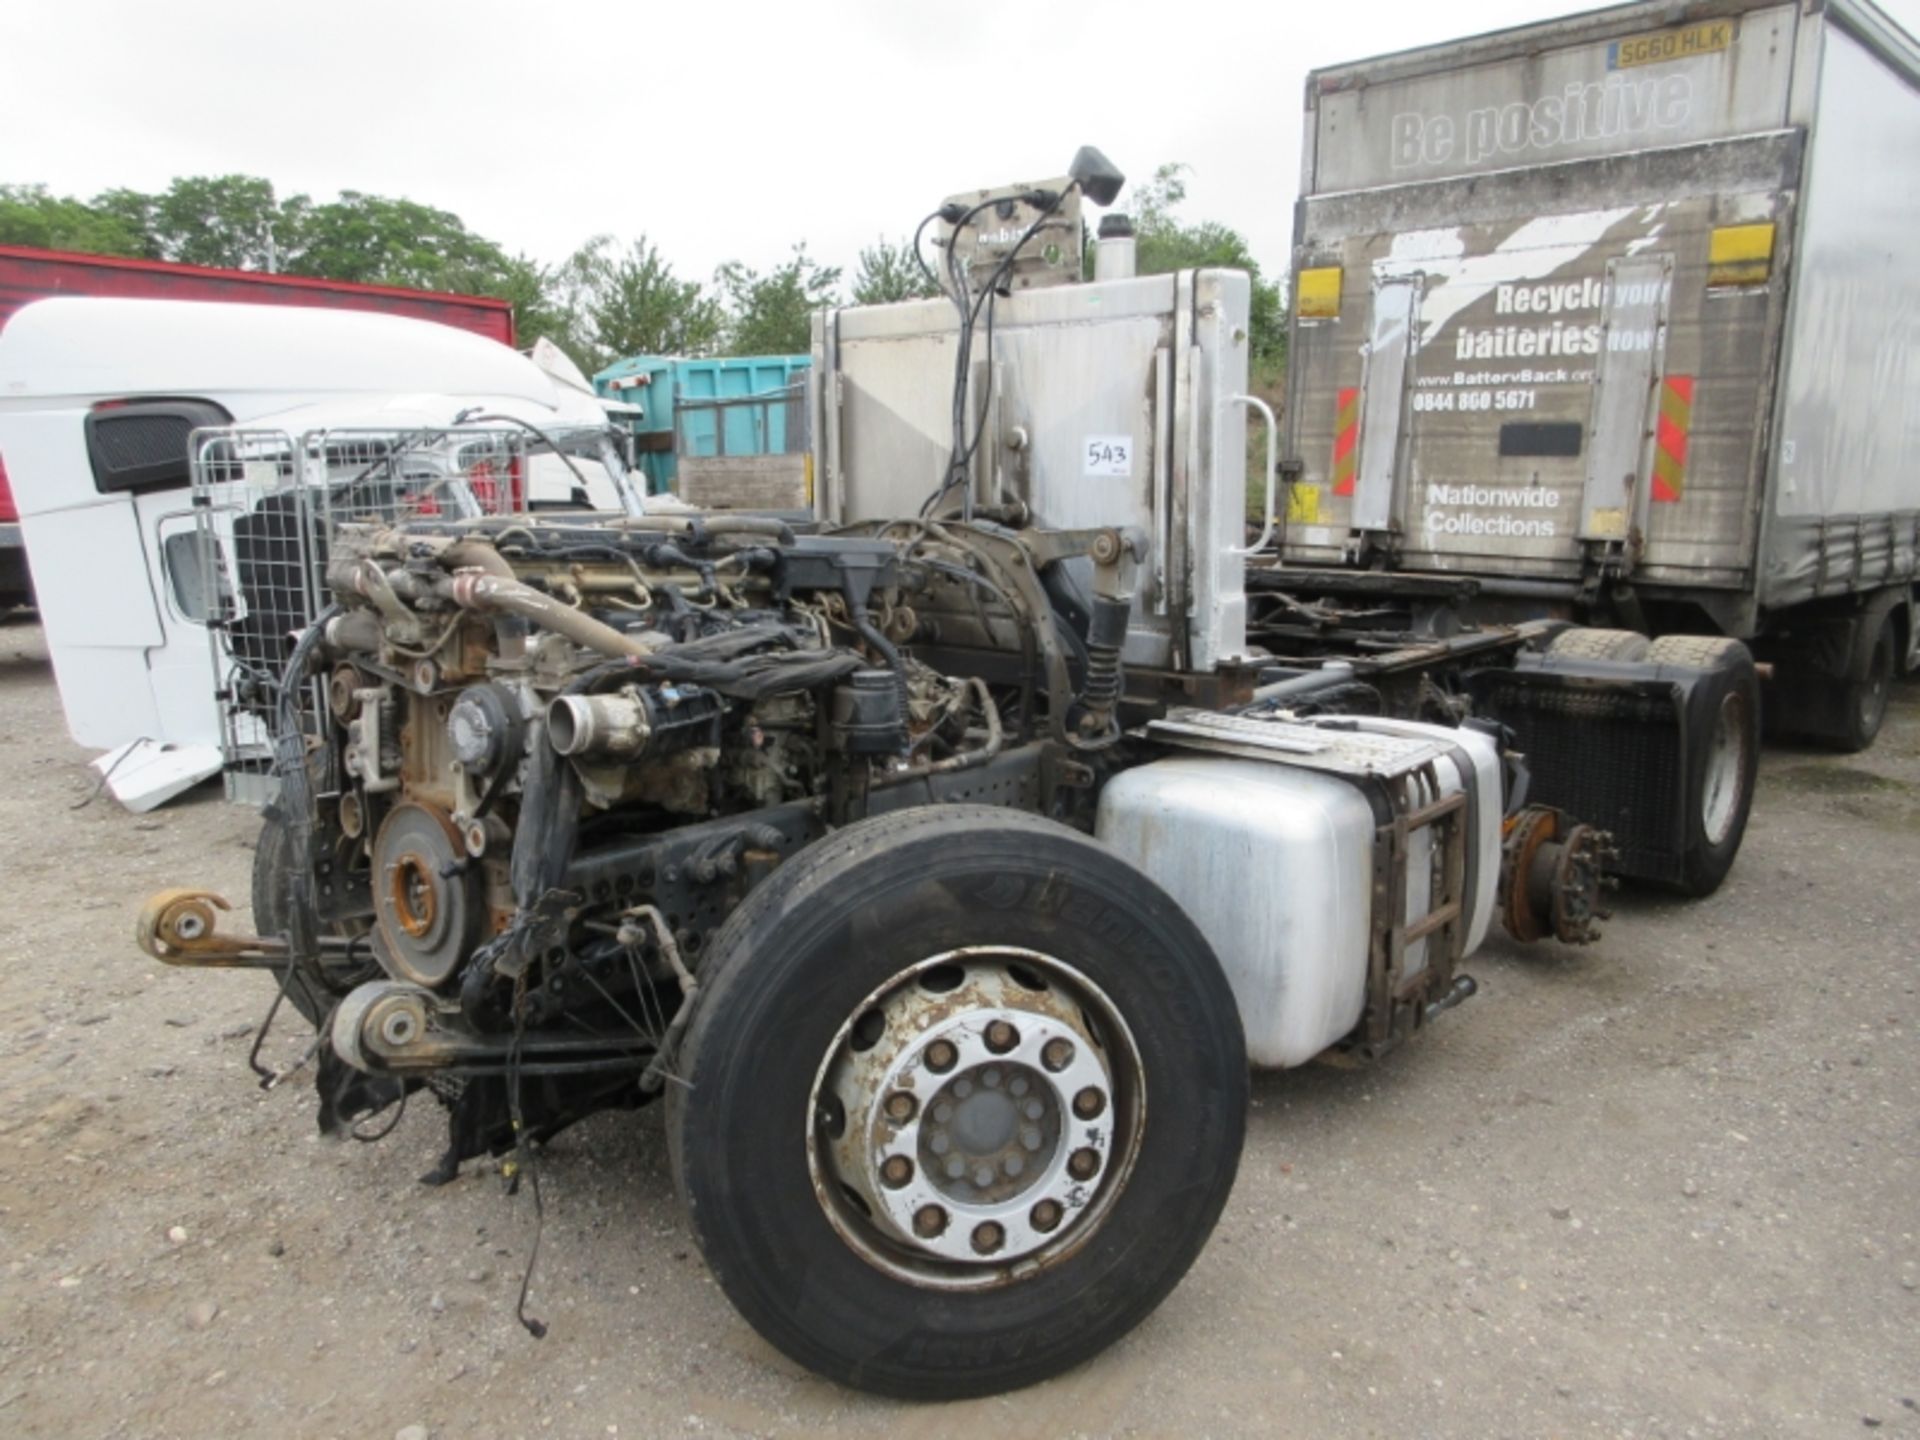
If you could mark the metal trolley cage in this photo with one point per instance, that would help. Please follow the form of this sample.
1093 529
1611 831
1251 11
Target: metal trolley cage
268 505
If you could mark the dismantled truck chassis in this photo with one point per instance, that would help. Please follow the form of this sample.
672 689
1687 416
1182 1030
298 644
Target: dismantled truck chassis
947 939
794 831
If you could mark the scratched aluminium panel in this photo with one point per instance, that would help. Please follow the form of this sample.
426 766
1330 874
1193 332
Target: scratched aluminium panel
1521 309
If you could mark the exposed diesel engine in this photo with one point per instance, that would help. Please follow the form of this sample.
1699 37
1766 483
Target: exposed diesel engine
542 761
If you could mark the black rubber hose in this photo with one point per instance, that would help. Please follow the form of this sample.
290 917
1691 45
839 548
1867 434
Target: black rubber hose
296 799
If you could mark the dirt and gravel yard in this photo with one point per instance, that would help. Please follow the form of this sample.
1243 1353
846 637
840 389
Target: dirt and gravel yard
1668 1185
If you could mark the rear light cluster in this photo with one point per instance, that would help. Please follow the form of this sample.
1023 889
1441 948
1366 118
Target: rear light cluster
8 511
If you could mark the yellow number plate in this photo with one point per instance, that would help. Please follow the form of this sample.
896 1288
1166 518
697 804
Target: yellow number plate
1665 45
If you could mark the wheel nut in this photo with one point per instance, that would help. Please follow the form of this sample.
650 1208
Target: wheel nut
1083 1164
900 1107
897 1171
941 1055
1057 1055
988 1237
929 1221
1001 1037
1089 1103
1046 1216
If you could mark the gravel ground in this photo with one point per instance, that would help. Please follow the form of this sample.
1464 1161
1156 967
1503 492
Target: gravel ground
1662 1186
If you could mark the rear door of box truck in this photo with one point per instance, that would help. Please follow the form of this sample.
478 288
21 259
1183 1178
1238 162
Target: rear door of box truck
1540 282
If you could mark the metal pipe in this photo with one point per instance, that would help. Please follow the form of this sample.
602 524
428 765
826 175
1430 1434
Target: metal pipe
1254 402
475 591
1530 589
1331 674
476 555
995 736
1115 252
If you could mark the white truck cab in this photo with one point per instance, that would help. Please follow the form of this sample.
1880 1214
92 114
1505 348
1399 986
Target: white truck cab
98 401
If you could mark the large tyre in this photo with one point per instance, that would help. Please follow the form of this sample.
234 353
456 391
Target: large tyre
307 992
1869 684
1724 757
1589 643
963 1099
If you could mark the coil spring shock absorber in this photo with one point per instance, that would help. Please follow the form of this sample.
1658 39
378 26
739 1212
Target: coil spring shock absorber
1106 632
1113 553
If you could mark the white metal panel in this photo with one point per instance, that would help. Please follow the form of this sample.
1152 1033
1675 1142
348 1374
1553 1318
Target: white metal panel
90 576
1633 342
1383 406
1544 94
1849 428
88 346
1218 492
1141 365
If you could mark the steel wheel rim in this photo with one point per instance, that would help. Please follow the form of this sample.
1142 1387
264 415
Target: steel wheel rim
1726 771
883 1167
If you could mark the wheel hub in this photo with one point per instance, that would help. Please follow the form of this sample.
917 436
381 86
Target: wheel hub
988 1133
966 1118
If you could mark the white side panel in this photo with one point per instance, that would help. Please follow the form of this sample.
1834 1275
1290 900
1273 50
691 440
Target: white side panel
1849 429
1656 84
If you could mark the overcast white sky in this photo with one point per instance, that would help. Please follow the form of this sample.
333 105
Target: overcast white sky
719 130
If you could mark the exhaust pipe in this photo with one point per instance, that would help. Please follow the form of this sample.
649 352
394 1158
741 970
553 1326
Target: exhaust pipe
1115 253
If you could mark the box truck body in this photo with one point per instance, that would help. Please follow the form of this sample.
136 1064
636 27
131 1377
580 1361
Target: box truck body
1621 310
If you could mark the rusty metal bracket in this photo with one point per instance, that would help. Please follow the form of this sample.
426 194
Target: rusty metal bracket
181 927
1398 1002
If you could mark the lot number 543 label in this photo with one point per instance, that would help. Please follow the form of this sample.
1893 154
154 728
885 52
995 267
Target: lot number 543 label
1107 455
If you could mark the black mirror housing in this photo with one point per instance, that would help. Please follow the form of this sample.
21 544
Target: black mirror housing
1100 179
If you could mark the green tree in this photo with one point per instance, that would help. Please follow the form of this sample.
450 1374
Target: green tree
539 308
381 241
771 314
229 221
637 306
888 272
1167 243
31 215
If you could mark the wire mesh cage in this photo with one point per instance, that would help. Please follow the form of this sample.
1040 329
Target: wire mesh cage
269 506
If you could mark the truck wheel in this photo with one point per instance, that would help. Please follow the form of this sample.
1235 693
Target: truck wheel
1869 684
962 1100
272 864
1589 643
1725 758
